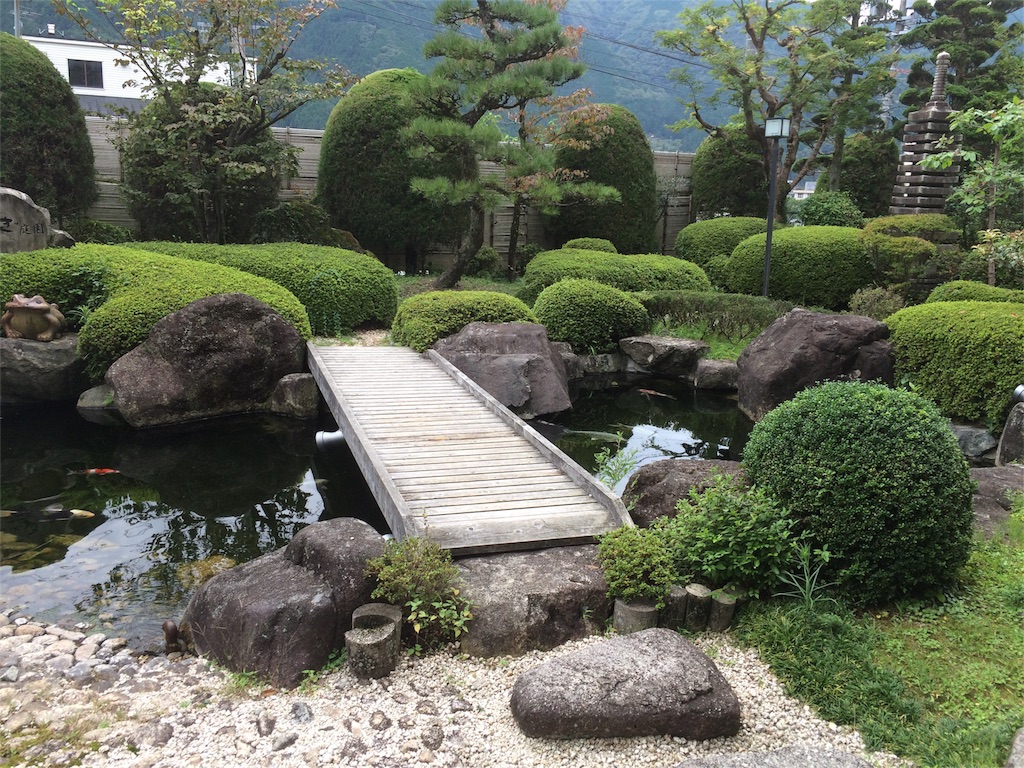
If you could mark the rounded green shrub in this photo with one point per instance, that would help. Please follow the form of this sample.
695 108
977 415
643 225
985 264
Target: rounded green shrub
899 260
485 263
592 244
341 290
426 317
589 315
968 290
645 272
727 177
296 221
831 209
702 241
967 356
876 476
636 563
45 152
876 303
934 227
811 266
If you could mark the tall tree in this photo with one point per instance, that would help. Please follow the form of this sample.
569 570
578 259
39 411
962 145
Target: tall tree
495 55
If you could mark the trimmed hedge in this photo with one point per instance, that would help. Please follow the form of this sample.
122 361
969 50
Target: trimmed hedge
968 290
341 290
704 240
732 315
127 290
426 317
876 476
647 272
833 209
927 226
811 266
589 315
967 356
592 244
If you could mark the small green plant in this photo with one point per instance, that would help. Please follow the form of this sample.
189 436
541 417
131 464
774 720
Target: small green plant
311 677
612 468
636 563
806 583
243 682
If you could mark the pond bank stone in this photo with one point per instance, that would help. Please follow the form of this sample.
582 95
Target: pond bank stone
654 682
654 489
38 371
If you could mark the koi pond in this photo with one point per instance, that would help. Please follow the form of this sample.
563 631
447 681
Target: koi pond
116 527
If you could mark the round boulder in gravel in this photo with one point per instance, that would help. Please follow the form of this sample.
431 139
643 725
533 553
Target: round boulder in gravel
650 683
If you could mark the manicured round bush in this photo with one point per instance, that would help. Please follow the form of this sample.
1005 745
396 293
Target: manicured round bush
45 151
727 177
704 240
934 227
874 475
831 209
811 266
341 290
426 317
592 244
899 260
876 303
296 221
645 272
968 290
967 356
589 315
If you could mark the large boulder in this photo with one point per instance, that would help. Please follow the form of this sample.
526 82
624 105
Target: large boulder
665 355
220 355
514 362
803 348
991 502
650 683
285 612
33 371
654 489
525 601
25 225
1011 442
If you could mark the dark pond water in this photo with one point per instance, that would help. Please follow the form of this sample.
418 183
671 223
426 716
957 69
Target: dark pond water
189 501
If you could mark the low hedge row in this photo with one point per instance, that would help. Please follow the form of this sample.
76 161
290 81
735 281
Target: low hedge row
967 356
935 227
704 240
341 290
646 272
592 244
968 290
732 315
426 317
124 291
591 316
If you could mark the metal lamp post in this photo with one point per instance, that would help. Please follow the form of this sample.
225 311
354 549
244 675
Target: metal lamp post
775 128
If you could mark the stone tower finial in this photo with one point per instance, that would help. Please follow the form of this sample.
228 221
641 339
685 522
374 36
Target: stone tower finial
939 83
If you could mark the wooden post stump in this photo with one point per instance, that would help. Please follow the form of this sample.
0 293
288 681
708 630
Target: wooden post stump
374 644
673 615
698 607
723 608
634 616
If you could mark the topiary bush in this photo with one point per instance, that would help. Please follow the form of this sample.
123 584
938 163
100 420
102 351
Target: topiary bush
592 244
968 290
126 291
296 221
831 209
967 356
727 177
647 272
637 564
876 476
900 260
341 290
485 263
589 315
876 303
704 240
934 227
426 317
811 266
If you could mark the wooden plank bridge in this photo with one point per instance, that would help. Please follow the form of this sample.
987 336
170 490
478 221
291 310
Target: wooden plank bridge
446 461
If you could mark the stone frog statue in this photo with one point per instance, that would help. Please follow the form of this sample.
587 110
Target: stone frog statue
32 318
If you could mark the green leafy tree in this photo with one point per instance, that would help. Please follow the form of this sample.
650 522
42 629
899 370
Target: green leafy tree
244 44
726 176
865 172
44 147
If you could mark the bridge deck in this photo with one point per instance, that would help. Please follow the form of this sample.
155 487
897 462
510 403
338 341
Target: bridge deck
446 461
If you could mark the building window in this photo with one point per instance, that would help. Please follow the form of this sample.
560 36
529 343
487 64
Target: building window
85 74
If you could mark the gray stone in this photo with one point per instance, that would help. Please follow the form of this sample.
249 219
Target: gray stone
526 601
634 616
716 374
1011 442
1016 758
514 362
296 395
974 442
217 356
673 615
96 404
698 607
795 756
665 355
991 502
373 652
34 371
25 225
654 489
804 348
650 683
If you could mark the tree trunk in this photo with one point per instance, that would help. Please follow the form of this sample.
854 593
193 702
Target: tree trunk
992 212
837 162
513 238
470 244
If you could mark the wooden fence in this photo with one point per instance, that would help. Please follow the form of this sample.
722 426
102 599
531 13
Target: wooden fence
672 169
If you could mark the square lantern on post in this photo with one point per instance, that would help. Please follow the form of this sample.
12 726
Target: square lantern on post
775 128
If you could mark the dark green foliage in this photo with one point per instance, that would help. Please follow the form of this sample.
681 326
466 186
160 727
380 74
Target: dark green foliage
899 262
734 316
868 171
592 244
365 172
874 475
876 303
340 289
730 534
1007 250
811 266
832 209
44 150
933 227
622 159
128 290
967 356
297 221
91 231
648 272
486 263
968 290
426 317
636 563
704 240
591 316
728 178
